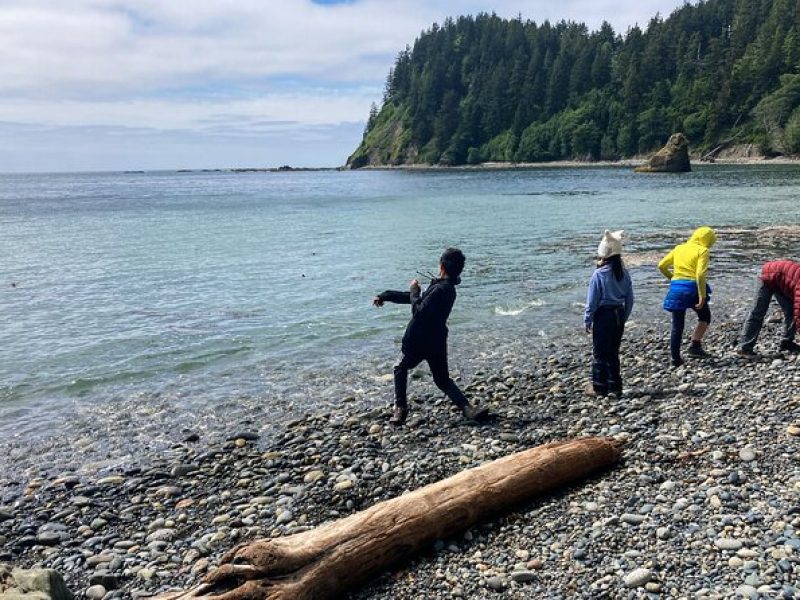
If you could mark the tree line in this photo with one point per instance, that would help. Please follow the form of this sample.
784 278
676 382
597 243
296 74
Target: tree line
483 88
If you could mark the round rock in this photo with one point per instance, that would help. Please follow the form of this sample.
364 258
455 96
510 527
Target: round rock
638 577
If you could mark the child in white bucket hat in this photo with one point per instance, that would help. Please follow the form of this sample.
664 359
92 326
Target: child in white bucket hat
609 303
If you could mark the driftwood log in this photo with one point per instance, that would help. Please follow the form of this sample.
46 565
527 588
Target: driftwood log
324 562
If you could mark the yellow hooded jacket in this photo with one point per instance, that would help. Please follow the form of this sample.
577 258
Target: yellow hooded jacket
689 261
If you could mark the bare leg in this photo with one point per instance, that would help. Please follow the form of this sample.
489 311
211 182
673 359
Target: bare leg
699 331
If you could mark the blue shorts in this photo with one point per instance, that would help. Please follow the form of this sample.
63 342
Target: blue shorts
683 294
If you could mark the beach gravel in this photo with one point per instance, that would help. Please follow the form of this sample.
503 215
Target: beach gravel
705 504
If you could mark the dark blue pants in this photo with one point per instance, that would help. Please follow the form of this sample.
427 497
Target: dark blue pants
607 330
678 325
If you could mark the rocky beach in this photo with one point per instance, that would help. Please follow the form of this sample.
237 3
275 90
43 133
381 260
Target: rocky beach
705 504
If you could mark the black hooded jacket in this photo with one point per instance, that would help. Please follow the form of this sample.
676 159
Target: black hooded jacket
426 333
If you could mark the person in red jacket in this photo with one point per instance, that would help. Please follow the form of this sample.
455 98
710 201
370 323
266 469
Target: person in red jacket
779 278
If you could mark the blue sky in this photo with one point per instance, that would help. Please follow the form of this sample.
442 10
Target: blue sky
148 84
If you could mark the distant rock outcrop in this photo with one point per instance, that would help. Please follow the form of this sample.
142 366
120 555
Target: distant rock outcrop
672 158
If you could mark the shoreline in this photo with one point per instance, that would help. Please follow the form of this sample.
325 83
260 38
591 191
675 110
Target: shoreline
705 499
578 164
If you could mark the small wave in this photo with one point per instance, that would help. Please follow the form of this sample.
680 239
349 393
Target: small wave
559 193
514 311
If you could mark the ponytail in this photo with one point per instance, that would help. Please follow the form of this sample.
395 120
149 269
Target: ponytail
616 266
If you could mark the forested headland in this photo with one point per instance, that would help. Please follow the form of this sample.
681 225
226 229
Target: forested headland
482 88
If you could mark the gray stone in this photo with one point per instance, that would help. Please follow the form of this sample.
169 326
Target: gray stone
183 469
746 591
633 519
523 576
284 517
99 559
497 584
747 454
96 592
638 577
729 544
161 535
48 538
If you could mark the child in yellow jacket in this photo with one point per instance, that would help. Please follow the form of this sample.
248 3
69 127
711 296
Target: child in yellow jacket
686 267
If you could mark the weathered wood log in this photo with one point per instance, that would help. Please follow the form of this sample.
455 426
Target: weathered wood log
324 562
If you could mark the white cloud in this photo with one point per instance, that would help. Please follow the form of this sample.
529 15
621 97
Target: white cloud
180 64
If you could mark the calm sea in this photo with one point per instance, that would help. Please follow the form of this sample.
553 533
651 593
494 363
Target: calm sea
185 297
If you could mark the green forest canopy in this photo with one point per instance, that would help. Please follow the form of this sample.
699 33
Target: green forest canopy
483 88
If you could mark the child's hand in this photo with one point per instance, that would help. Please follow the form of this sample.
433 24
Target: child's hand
700 304
376 301
414 285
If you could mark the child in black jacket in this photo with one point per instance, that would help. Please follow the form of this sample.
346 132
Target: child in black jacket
426 335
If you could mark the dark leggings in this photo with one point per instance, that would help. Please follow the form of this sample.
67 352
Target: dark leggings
678 325
607 330
441 377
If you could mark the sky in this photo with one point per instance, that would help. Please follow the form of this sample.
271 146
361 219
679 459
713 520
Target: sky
99 85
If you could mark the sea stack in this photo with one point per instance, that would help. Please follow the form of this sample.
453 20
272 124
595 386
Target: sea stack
672 158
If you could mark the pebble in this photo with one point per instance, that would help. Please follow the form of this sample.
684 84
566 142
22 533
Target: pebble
633 519
638 577
728 544
523 576
95 592
111 480
497 584
747 454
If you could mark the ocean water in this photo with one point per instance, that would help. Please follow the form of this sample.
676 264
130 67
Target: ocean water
185 298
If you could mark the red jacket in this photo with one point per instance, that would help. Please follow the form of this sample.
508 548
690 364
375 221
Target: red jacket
783 276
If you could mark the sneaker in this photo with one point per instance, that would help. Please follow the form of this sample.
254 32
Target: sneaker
400 415
697 352
475 413
746 352
790 346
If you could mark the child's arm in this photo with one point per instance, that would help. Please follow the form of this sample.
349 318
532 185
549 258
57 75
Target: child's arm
700 275
433 306
665 264
392 296
628 296
592 301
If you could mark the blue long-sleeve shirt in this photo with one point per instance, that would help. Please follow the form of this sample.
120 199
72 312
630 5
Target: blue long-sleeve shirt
606 290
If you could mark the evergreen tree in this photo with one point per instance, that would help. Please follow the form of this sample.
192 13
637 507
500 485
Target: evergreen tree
479 88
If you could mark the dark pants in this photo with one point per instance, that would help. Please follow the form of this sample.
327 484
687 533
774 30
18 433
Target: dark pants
437 362
678 325
607 330
755 320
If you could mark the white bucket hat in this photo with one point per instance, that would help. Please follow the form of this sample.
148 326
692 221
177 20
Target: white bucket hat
611 244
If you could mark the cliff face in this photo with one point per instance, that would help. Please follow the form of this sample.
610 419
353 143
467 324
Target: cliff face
388 142
480 89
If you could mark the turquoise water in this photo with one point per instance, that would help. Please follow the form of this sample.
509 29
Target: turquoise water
196 291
